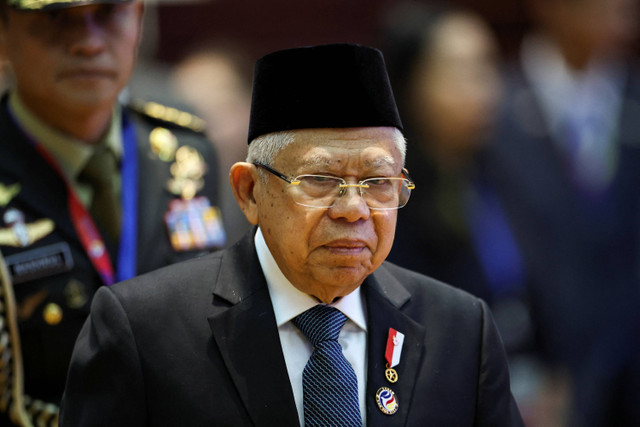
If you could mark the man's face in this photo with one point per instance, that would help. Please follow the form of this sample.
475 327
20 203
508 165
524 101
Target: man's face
328 252
75 59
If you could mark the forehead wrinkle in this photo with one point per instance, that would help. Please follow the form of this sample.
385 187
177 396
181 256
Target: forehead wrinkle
323 161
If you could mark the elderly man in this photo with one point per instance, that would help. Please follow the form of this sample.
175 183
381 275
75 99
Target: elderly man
301 322
92 190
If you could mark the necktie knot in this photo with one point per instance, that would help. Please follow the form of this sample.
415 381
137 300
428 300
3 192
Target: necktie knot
100 167
320 323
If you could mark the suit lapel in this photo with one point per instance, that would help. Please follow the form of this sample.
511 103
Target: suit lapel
385 297
244 328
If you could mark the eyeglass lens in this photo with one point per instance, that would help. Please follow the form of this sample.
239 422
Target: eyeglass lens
378 193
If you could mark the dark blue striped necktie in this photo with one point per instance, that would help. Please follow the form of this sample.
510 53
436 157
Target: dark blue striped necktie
330 386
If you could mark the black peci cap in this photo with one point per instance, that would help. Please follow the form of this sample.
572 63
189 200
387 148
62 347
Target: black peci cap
327 86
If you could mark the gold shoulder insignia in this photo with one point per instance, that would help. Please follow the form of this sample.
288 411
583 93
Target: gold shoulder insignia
169 114
8 192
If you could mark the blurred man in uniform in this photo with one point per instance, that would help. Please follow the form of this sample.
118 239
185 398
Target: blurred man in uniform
93 189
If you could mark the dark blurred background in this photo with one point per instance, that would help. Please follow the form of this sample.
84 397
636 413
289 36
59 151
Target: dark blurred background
261 27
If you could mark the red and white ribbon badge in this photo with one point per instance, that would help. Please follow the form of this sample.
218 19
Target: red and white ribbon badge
394 347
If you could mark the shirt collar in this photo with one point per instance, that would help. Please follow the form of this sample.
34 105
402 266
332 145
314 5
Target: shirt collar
288 301
71 153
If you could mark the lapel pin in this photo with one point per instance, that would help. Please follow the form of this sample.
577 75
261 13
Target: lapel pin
392 354
387 401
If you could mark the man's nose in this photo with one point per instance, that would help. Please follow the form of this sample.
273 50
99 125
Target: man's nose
86 34
350 205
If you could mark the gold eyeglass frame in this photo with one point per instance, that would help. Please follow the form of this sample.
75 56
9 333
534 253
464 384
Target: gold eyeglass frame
292 181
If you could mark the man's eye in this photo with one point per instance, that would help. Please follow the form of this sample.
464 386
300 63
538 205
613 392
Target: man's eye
318 182
378 181
321 179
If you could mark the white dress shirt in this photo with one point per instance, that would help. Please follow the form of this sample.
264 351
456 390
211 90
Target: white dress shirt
288 302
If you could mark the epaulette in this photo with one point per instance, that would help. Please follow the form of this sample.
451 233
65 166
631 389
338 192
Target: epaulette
168 115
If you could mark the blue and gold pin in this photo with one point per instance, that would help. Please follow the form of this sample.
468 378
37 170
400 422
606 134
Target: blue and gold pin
387 401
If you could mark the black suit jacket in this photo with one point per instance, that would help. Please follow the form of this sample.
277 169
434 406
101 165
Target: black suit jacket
196 344
41 195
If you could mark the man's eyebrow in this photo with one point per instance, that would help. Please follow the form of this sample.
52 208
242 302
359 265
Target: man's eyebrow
380 162
318 161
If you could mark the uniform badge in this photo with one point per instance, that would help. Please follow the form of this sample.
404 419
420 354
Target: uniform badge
76 294
39 262
20 234
188 171
52 314
194 224
387 401
7 193
163 143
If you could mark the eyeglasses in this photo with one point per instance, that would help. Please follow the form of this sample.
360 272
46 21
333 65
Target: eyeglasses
321 191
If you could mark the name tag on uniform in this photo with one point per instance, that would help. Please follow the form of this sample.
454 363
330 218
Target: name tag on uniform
194 224
40 262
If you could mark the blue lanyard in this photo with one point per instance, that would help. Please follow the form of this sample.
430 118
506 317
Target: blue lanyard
128 247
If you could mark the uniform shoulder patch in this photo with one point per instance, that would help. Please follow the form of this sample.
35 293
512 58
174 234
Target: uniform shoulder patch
167 114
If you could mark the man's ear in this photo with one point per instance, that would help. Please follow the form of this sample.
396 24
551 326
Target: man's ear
243 178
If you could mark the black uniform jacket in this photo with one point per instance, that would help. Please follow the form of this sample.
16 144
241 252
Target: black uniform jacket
53 278
196 344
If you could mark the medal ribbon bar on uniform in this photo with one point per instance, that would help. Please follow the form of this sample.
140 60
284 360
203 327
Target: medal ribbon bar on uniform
394 347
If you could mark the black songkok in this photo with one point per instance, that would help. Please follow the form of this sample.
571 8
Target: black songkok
327 86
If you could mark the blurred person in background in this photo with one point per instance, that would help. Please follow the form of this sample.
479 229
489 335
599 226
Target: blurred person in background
444 64
93 190
215 79
565 161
